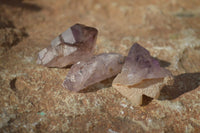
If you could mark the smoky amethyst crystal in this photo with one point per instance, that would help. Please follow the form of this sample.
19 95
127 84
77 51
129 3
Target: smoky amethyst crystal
98 68
75 44
141 75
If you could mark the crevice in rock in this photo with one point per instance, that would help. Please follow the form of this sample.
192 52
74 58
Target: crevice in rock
21 4
12 84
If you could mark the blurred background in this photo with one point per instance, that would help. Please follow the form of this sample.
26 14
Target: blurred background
32 98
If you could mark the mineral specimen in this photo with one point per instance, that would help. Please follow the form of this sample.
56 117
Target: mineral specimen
98 68
141 75
75 44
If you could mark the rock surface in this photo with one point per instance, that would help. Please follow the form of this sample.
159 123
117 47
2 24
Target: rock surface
96 69
75 44
169 29
141 75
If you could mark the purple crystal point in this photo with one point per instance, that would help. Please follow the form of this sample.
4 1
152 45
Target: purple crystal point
141 71
75 44
98 68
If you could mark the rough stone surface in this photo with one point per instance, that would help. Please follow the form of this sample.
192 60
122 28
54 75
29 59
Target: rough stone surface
96 69
169 29
141 75
75 44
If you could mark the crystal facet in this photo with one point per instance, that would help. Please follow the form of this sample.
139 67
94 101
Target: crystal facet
141 75
75 44
98 68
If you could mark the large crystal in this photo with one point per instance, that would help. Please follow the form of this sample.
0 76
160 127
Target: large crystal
141 75
75 44
98 68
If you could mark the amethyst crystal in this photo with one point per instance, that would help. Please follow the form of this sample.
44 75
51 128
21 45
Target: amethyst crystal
75 44
98 68
141 75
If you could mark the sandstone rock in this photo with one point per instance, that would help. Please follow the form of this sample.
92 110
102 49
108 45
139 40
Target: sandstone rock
152 23
141 75
99 68
75 44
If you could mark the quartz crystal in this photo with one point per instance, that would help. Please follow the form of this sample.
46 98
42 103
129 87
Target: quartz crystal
141 75
75 44
98 68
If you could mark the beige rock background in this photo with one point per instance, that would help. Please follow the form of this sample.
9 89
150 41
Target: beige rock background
32 98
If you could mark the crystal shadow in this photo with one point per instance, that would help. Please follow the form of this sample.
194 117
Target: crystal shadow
163 63
182 83
98 86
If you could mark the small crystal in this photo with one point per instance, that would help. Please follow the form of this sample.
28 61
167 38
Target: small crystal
98 68
75 44
141 75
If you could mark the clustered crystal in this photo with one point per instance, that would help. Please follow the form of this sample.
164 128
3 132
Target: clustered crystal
138 74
